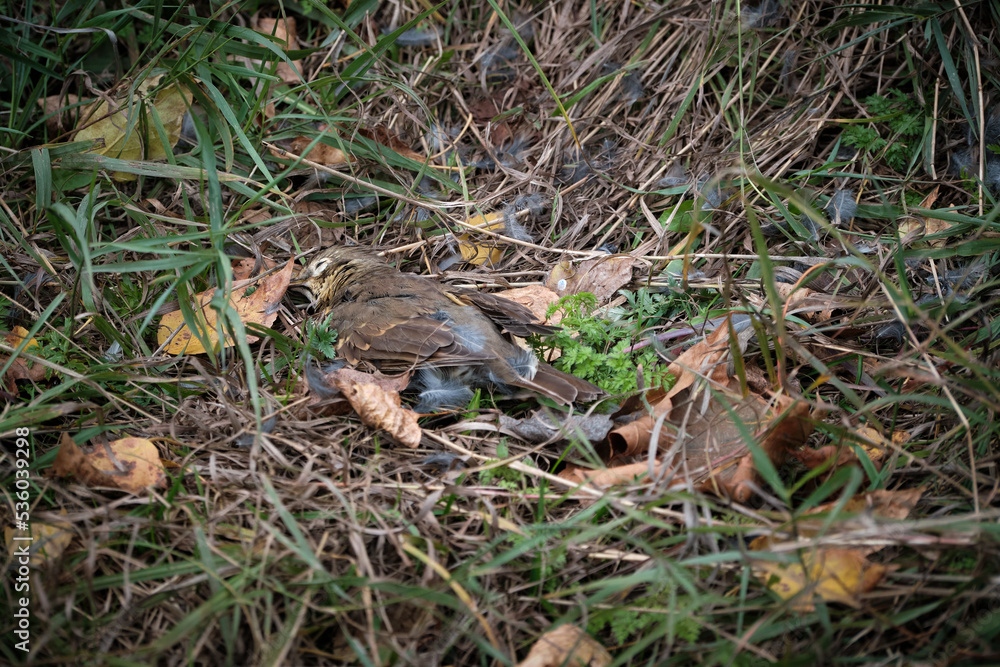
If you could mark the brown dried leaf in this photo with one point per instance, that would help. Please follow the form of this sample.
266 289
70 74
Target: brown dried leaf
244 268
537 299
874 444
283 30
806 302
714 450
911 228
130 464
624 474
19 369
390 383
321 153
835 574
567 646
52 107
601 276
258 307
381 409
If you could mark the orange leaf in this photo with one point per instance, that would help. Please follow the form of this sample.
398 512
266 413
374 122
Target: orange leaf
283 31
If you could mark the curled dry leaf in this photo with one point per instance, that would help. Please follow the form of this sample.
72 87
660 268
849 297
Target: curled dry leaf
322 153
48 541
258 307
806 302
713 452
566 646
244 269
117 135
19 369
874 444
601 276
391 383
911 229
380 408
130 464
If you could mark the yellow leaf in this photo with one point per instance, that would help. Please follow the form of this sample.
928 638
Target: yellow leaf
258 307
486 251
113 136
835 575
48 541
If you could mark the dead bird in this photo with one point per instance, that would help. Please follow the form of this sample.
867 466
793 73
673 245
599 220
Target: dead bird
458 339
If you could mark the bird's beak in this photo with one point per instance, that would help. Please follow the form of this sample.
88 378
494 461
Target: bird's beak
299 278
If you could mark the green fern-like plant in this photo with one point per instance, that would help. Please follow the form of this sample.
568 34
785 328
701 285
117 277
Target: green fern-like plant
322 338
894 133
597 349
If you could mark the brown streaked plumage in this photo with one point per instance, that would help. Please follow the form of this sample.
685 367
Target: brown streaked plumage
457 338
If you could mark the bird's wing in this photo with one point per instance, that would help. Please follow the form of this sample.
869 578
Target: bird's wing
512 317
397 337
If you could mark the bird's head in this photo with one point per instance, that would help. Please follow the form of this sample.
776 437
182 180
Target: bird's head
327 274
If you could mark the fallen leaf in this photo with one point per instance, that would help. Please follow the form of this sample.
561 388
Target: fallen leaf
48 541
838 574
130 464
806 302
283 31
258 307
19 369
601 276
835 575
630 473
487 250
382 136
714 453
53 106
566 646
244 268
537 299
389 383
113 135
871 441
322 153
911 228
381 409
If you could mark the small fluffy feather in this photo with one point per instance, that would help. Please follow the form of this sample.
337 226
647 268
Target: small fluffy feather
418 37
841 208
440 389
762 16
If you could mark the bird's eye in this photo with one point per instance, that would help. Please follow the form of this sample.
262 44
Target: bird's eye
319 266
